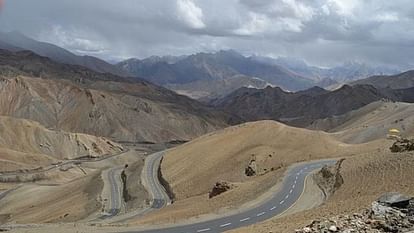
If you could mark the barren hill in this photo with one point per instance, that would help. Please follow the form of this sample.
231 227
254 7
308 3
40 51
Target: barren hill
62 105
26 144
399 81
370 122
34 203
273 145
298 108
366 178
193 168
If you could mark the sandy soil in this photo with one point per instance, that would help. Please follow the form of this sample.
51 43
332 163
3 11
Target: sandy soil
360 188
70 195
43 203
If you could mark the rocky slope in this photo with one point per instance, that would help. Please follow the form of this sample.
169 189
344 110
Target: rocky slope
298 108
303 107
360 188
399 81
395 214
62 105
27 144
77 99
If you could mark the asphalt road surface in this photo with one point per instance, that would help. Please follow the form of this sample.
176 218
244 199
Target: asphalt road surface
116 196
159 196
292 188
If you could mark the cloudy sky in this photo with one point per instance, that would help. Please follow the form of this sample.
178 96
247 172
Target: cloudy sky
323 32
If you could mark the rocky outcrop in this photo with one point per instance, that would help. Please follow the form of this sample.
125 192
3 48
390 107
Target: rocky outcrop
393 212
219 188
402 145
251 169
329 178
125 194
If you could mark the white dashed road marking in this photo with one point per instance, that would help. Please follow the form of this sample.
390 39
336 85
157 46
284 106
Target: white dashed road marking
260 214
203 230
291 191
287 196
244 219
274 207
226 224
281 202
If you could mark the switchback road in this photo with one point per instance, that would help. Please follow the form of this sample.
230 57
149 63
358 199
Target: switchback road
291 190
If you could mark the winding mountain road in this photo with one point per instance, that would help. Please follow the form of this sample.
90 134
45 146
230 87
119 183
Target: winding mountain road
150 177
115 200
292 188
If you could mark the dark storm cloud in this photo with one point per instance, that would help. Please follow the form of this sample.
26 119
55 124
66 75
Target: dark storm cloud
323 32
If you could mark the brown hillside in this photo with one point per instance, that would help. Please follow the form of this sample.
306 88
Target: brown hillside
366 177
26 144
62 105
193 169
370 122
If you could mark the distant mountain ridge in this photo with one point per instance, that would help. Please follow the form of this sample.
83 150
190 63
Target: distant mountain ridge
15 41
349 71
398 81
303 107
202 72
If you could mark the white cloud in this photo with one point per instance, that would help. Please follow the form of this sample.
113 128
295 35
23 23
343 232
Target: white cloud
72 40
344 7
371 30
299 10
257 23
190 14
386 17
270 17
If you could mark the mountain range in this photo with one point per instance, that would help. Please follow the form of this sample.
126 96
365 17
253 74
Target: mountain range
398 81
237 88
16 41
207 76
77 99
346 72
213 75
200 74
303 107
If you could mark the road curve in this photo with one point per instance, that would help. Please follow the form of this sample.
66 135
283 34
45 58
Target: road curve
292 188
116 196
149 178
159 196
